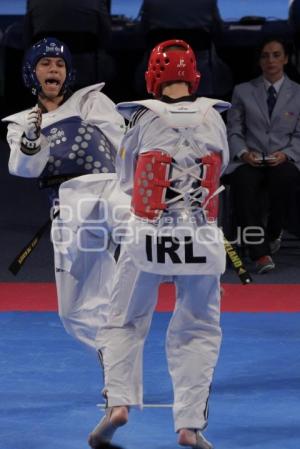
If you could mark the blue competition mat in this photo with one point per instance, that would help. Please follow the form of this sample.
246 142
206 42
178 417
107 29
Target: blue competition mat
50 385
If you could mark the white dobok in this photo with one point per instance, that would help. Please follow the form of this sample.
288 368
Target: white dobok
79 140
172 236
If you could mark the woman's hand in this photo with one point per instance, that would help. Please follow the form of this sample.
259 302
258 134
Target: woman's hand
279 157
252 158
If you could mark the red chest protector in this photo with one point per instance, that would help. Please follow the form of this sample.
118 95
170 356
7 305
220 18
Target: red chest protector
150 184
152 179
211 182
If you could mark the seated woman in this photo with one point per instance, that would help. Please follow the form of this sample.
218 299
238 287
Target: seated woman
264 141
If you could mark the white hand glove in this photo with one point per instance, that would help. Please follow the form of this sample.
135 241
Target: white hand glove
33 124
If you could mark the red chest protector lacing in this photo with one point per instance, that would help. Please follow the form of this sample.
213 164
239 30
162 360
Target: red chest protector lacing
152 179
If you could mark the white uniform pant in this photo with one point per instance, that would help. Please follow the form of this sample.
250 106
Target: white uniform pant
84 294
192 343
84 252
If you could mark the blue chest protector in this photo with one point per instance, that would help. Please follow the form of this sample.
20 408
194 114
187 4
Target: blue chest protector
76 148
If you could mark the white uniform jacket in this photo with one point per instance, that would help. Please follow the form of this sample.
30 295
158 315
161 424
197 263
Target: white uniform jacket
79 137
78 140
187 131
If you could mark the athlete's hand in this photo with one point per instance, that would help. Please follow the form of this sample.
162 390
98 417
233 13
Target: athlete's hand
33 123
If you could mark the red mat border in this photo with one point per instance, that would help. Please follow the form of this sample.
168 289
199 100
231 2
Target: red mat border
41 297
247 298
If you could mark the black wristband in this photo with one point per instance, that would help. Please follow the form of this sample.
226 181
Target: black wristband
30 147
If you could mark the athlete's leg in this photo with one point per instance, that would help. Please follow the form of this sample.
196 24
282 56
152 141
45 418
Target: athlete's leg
193 343
121 340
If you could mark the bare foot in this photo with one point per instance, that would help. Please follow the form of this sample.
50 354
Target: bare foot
119 416
194 439
187 437
115 417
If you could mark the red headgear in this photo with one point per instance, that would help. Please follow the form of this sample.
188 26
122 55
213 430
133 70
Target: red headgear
167 65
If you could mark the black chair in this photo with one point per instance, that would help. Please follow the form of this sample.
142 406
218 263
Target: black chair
15 96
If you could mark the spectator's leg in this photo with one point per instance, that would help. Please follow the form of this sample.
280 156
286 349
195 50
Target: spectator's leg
248 190
282 180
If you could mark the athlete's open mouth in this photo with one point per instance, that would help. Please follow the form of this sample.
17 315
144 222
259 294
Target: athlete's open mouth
52 81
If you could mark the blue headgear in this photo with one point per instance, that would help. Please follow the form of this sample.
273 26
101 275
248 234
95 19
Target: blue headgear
47 47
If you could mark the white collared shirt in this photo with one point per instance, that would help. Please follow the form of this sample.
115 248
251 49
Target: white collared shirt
277 85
